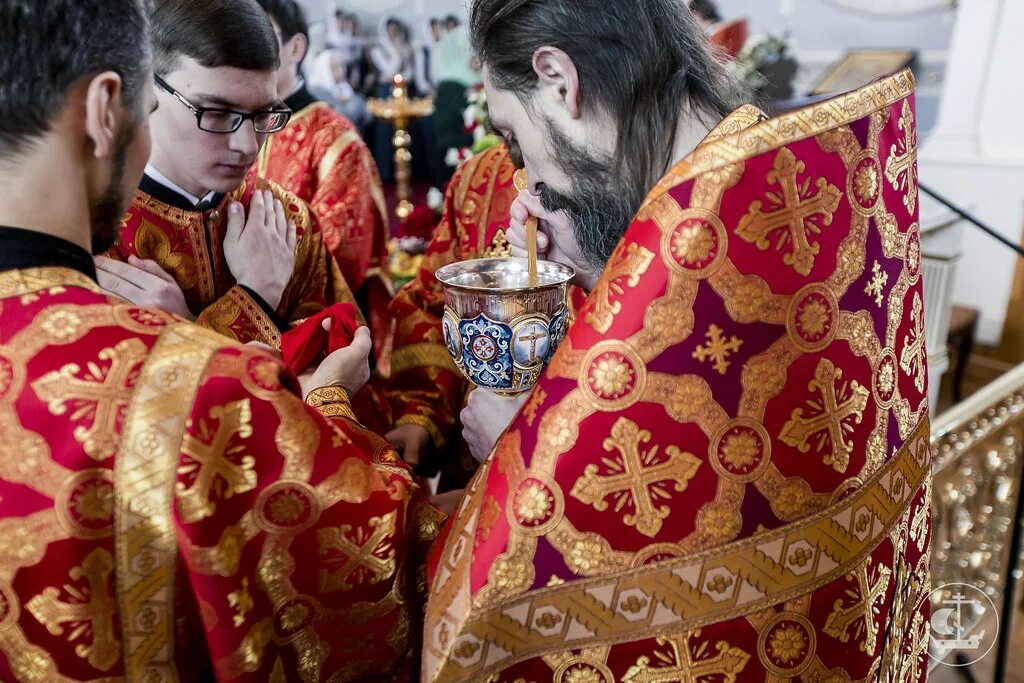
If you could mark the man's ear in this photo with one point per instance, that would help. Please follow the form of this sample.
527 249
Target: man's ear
104 110
298 45
558 78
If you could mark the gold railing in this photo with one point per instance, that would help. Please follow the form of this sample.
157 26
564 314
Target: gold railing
977 449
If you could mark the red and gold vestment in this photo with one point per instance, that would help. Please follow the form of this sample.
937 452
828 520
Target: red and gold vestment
731 481
189 244
171 510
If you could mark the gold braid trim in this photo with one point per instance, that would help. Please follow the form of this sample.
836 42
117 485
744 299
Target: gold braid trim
762 577
424 355
332 402
267 329
145 544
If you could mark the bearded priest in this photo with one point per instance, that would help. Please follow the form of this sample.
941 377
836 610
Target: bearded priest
204 237
725 469
427 391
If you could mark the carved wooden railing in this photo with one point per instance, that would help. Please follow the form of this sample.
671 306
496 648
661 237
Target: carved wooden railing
978 450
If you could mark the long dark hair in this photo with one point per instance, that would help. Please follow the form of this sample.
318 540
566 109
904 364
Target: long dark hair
640 61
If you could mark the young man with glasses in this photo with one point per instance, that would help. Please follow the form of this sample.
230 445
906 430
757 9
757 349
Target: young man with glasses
205 238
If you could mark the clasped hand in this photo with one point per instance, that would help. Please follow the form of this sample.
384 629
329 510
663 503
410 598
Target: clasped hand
260 248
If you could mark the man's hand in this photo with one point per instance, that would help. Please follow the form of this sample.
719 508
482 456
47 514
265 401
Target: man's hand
260 248
143 283
348 368
485 418
556 238
411 441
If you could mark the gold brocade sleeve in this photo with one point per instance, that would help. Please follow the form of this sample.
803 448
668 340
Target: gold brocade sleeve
332 402
303 535
349 204
238 316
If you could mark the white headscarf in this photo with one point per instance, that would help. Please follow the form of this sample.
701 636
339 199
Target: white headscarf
389 57
322 79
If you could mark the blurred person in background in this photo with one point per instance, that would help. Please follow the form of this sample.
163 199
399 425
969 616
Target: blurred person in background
321 158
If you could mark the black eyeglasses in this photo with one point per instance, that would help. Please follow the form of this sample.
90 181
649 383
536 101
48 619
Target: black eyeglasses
226 121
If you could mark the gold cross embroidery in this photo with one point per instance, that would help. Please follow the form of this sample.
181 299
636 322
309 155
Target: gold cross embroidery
718 349
499 248
901 169
791 218
241 601
830 419
625 272
680 666
91 612
876 287
902 662
635 478
368 552
98 397
862 612
919 524
219 470
914 359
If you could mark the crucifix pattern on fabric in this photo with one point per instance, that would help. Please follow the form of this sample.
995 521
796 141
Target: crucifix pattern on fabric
718 349
89 615
98 395
213 463
863 612
829 420
794 214
370 552
902 167
636 477
914 359
680 665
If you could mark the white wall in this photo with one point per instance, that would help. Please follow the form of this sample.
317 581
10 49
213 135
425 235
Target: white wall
976 153
816 25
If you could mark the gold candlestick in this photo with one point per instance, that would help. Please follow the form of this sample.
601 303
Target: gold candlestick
401 111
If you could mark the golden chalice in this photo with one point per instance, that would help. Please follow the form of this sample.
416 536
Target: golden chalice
500 331
504 318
